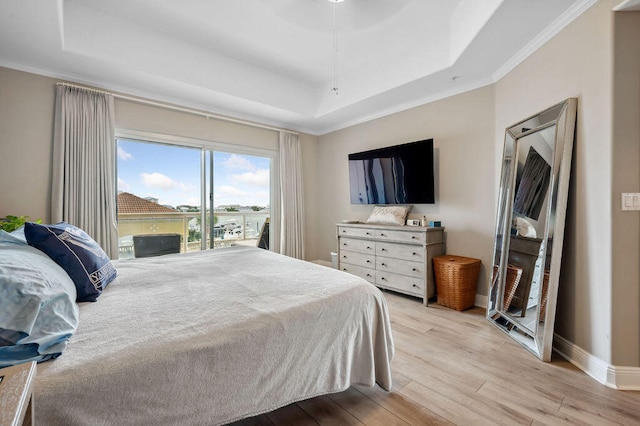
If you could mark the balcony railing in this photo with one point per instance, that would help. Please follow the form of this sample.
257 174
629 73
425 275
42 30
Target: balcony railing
230 228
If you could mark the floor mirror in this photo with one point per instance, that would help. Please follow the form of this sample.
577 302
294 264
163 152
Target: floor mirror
530 221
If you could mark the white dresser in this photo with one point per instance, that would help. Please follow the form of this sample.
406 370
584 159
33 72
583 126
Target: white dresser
397 258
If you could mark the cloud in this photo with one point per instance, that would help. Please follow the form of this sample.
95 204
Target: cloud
231 191
123 155
192 201
174 192
123 186
258 178
226 194
158 180
239 162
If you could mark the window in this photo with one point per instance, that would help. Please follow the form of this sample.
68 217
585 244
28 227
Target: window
167 190
241 196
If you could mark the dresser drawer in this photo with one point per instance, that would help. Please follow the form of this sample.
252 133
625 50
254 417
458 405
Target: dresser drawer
401 236
367 273
400 251
345 231
401 283
361 246
404 267
358 259
396 258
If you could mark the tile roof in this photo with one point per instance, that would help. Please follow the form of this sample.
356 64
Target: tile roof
129 203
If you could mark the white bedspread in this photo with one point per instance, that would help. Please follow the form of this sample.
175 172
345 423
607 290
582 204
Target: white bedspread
211 337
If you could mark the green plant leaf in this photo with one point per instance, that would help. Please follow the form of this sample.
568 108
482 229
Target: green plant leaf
11 223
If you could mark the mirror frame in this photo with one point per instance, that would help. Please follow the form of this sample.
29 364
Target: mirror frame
537 338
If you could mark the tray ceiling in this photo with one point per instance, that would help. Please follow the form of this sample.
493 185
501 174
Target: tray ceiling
275 61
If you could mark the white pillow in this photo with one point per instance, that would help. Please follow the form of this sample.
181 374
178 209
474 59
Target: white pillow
525 228
389 215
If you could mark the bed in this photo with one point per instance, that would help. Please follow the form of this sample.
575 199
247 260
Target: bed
212 337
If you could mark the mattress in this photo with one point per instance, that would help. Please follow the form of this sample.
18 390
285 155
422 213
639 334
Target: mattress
215 336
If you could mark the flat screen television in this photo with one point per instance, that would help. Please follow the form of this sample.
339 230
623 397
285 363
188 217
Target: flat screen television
399 174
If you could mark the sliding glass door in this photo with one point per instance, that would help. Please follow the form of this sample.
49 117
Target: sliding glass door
240 197
180 198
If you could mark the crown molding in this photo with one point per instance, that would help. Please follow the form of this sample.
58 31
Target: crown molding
556 26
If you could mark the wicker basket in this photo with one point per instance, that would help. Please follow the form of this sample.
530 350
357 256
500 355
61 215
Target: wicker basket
514 273
456 280
543 303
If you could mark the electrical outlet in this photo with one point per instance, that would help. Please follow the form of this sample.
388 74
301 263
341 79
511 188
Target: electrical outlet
630 201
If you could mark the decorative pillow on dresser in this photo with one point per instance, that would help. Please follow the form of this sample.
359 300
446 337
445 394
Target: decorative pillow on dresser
38 310
77 253
389 215
524 228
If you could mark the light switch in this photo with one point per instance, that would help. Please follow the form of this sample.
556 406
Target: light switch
631 201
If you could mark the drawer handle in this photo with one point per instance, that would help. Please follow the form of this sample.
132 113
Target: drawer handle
383 278
415 285
344 269
368 248
368 261
344 244
413 237
382 235
383 249
383 264
344 231
414 253
414 269
368 233
368 275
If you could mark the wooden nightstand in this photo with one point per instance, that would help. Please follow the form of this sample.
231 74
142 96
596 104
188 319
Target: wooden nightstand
16 394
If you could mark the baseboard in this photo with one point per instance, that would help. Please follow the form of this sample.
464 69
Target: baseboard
582 359
624 378
621 378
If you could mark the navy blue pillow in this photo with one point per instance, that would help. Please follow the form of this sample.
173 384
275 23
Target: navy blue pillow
77 253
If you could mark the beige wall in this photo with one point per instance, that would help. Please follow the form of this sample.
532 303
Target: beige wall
462 128
312 210
26 131
625 226
599 291
147 118
577 63
26 128
600 259
602 244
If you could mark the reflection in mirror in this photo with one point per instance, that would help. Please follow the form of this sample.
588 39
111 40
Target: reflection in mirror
530 225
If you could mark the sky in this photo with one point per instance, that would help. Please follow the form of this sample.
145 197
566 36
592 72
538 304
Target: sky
172 174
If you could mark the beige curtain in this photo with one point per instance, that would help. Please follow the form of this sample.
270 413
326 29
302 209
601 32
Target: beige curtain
291 241
83 189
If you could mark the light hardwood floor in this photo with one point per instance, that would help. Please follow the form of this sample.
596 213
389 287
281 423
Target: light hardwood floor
456 368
